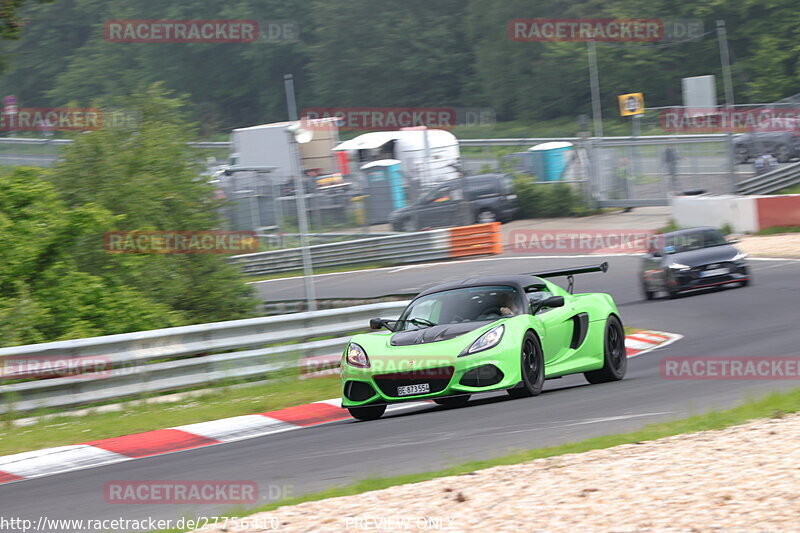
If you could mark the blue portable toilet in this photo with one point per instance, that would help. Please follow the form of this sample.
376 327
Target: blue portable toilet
385 187
549 160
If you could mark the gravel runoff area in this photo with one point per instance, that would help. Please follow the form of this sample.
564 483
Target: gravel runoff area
741 479
780 245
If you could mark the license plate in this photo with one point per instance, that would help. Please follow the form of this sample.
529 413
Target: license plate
714 272
408 390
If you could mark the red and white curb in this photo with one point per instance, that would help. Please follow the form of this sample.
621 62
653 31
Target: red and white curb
643 341
49 461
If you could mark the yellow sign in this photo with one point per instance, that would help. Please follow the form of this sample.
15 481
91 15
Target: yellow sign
631 104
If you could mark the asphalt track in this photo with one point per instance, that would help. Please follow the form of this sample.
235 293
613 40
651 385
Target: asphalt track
759 320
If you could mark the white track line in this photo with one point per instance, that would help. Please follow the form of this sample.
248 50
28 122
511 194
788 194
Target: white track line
393 269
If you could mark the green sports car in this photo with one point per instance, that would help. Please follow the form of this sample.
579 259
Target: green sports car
484 334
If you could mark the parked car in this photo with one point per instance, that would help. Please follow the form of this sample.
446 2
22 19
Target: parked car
783 145
689 259
490 198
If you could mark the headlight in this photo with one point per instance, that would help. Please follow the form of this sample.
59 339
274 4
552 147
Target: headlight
356 356
487 340
680 266
739 257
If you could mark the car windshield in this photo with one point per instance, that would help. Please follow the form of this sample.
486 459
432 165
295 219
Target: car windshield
437 194
685 242
471 304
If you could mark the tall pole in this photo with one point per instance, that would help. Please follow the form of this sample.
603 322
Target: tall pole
594 81
291 104
724 55
300 198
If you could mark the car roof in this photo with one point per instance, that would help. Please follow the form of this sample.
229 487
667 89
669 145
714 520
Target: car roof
689 230
518 281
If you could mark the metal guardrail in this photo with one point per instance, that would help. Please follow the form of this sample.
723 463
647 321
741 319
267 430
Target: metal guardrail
40 141
608 141
299 305
775 180
177 358
402 248
633 202
605 141
477 239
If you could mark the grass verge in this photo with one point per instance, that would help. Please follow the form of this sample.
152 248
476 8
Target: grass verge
774 405
778 229
140 416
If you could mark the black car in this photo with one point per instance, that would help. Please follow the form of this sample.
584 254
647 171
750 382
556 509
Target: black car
490 198
691 259
783 145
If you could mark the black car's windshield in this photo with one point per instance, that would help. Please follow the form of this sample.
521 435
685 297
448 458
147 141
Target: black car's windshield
470 304
695 240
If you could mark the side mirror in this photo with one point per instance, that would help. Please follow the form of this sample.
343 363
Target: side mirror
733 241
552 301
376 323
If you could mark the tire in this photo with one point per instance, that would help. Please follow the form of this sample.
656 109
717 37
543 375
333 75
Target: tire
672 294
615 359
371 412
485 216
742 154
452 401
531 368
408 225
783 153
648 294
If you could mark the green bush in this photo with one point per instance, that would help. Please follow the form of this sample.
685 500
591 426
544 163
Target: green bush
545 200
57 281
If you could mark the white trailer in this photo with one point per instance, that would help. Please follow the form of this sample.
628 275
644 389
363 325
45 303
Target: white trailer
427 157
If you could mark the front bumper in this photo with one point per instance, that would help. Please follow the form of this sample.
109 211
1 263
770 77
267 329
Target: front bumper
694 278
492 369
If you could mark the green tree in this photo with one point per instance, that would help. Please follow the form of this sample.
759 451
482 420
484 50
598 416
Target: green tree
147 178
44 293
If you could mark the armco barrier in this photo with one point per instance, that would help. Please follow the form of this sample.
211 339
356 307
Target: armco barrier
773 181
744 214
478 239
176 358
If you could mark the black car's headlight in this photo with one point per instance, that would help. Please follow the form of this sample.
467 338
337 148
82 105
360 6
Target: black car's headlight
356 356
488 340
739 258
680 267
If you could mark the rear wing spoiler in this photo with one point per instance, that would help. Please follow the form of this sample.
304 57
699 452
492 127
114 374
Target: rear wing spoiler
602 267
569 272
